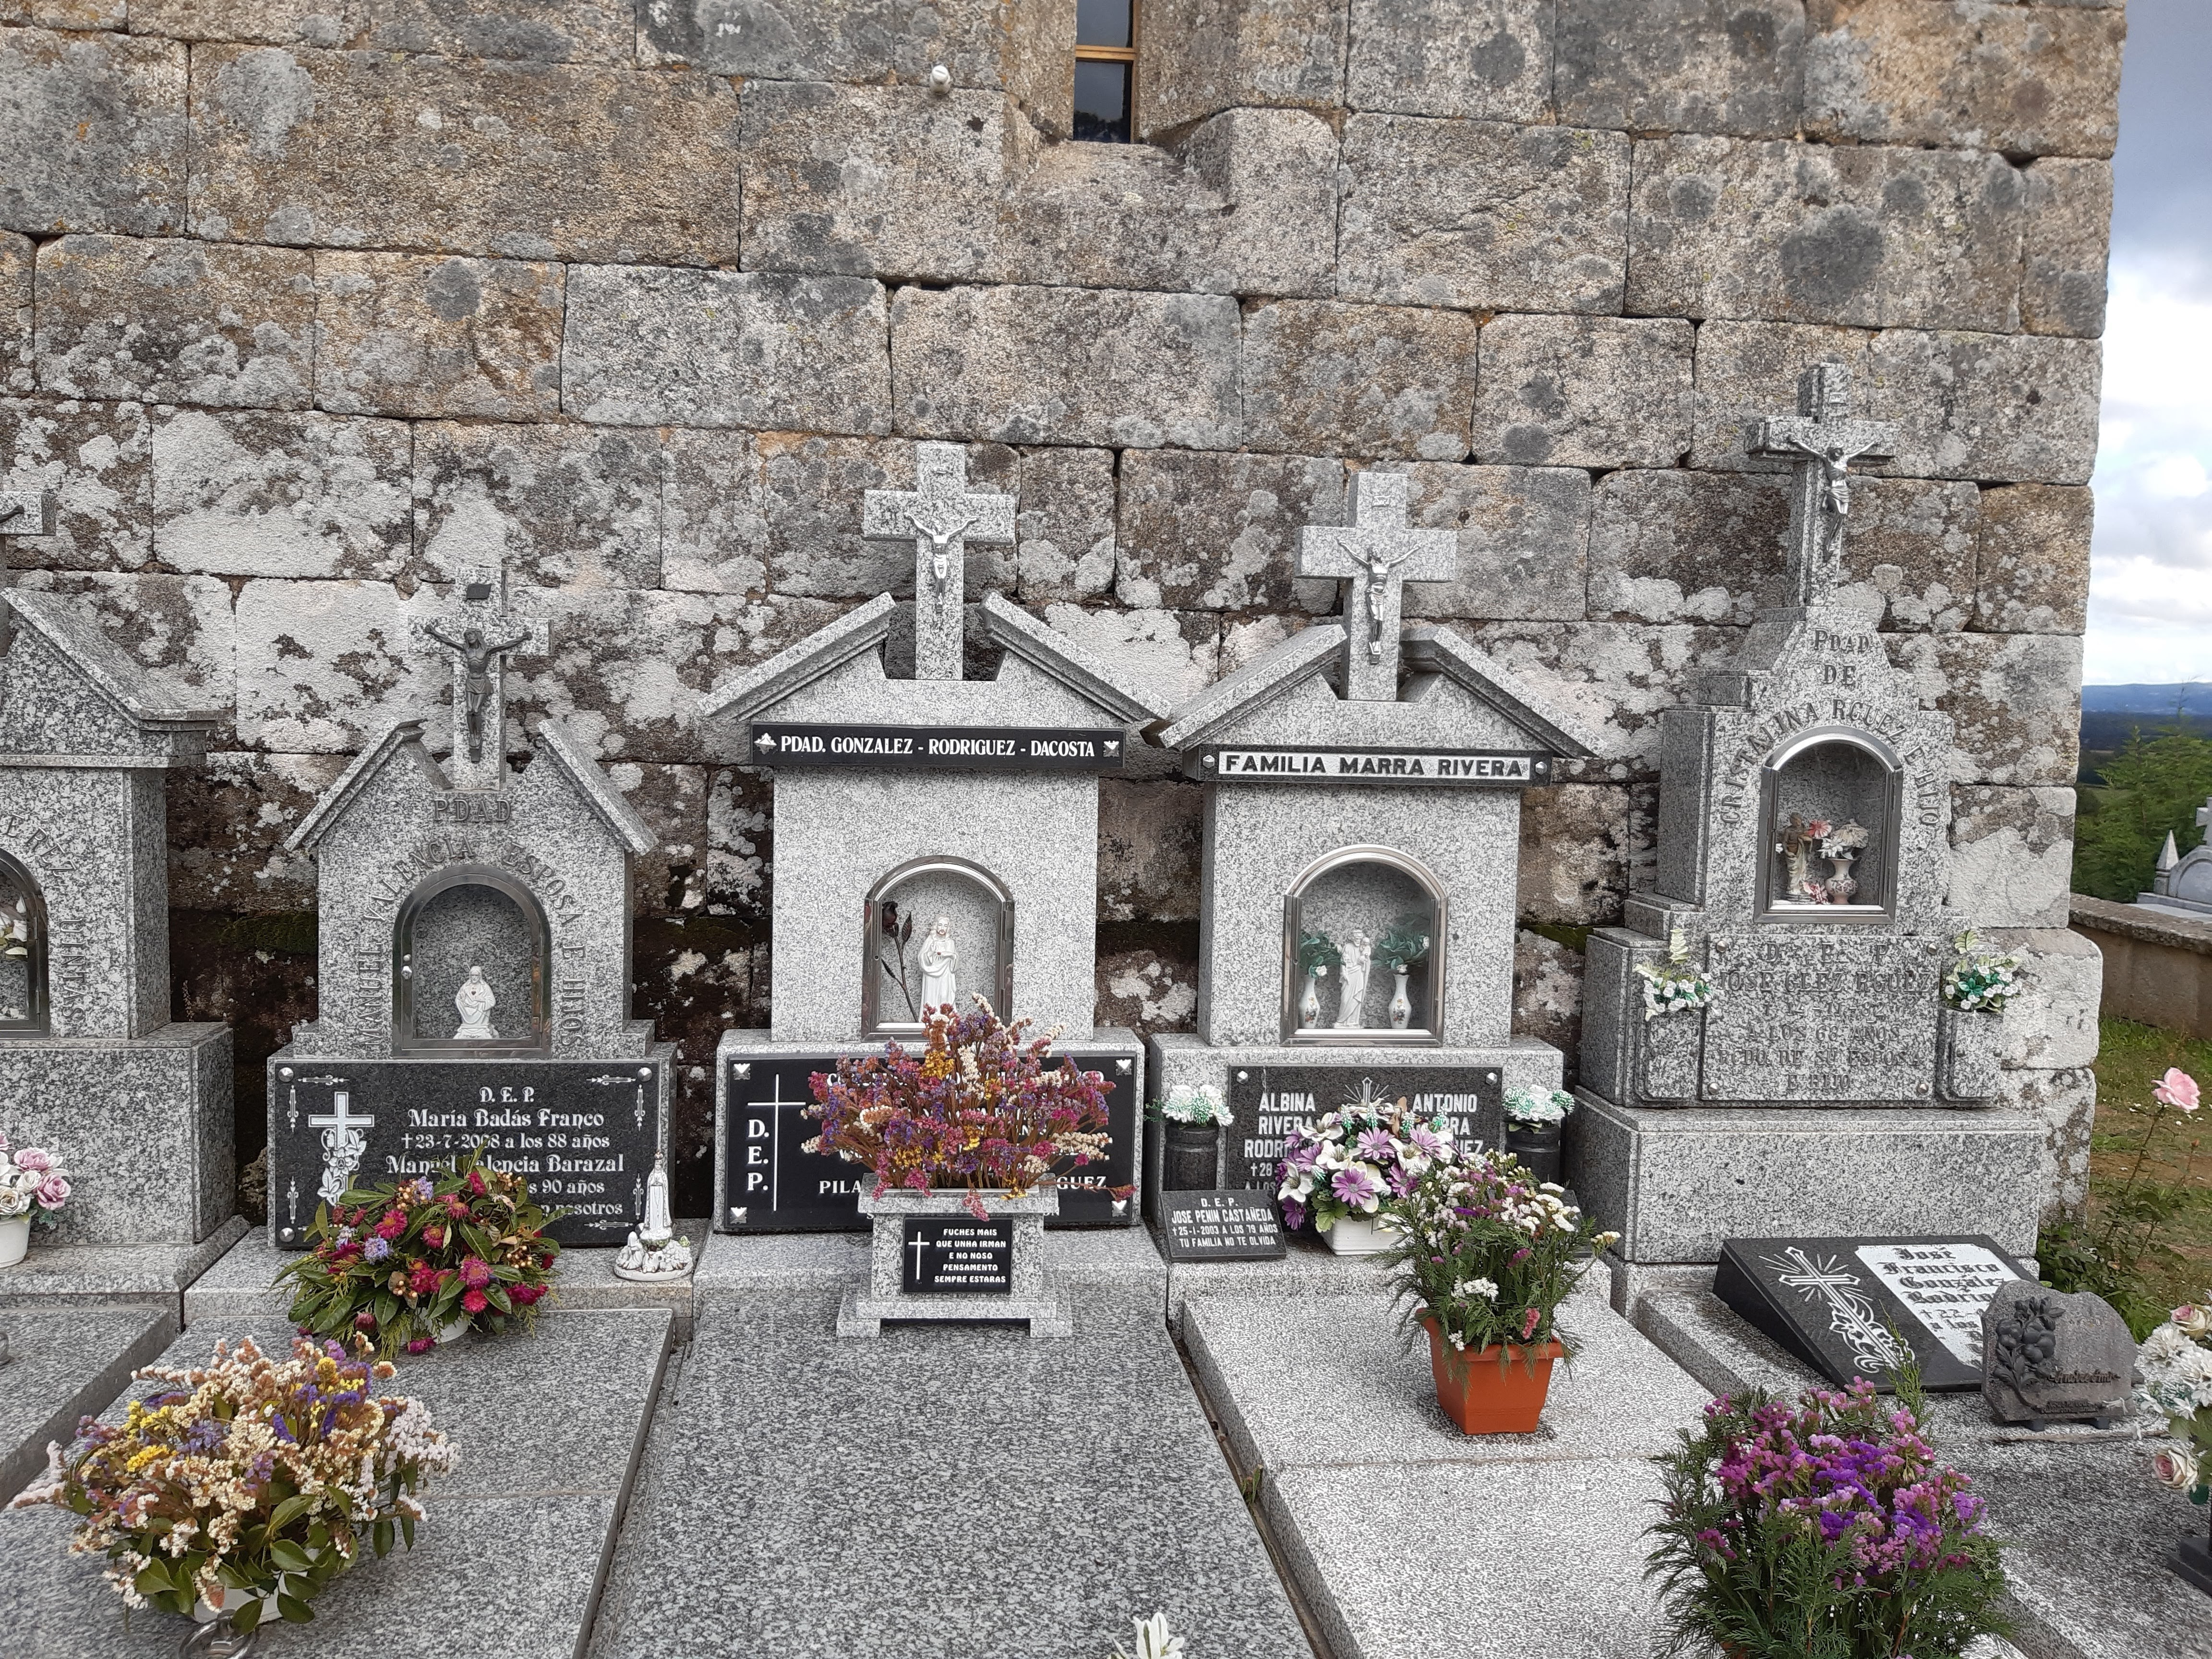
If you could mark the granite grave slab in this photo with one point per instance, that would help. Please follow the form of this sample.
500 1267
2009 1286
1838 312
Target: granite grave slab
62 1362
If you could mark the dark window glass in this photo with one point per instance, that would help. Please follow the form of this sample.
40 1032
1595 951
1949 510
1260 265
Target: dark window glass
1102 101
1101 22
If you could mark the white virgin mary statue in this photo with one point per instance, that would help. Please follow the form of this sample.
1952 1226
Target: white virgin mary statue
1352 983
475 1002
936 959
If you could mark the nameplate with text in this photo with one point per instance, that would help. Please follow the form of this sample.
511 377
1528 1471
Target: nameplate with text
1492 768
941 748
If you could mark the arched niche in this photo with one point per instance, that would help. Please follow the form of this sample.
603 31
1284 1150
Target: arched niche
1371 905
22 952
1830 803
464 917
902 910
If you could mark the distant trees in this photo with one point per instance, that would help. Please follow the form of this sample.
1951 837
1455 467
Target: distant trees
2152 784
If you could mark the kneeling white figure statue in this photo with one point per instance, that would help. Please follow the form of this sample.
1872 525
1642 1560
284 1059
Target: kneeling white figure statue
475 1002
653 1250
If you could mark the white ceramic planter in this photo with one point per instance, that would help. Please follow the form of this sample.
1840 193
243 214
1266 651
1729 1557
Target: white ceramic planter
1357 1235
14 1239
453 1329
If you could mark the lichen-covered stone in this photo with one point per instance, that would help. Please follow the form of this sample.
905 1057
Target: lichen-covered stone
567 507
1747 371
1220 532
1483 215
1150 837
178 626
1521 534
2024 79
1869 234
532 160
92 133
2012 855
1147 990
1575 846
227 822
1082 366
2050 1023
97 460
851 41
2020 407
2064 1101
1198 57
1615 679
2015 699
1177 653
173 321
1736 67
553 31
83 15
1547 994
1064 527
713 538
403 334
307 494
809 498
651 345
1583 392
2061 283
1322 377
2032 570
18 367
1489 59
324 666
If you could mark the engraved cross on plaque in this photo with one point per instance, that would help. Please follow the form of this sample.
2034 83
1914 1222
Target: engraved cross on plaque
479 634
1823 438
342 1144
1373 559
942 516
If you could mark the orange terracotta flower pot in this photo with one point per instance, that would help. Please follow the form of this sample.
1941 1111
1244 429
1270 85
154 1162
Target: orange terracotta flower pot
1485 1397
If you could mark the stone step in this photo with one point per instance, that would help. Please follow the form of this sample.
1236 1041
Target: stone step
63 1361
510 1562
85 1275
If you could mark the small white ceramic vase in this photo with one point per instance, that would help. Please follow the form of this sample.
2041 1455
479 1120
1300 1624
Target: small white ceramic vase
1359 1235
14 1239
1401 1005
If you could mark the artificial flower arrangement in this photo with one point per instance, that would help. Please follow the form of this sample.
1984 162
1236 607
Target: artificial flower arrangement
33 1182
1347 1163
1197 1104
401 1265
249 1484
1539 1109
2175 1363
1978 980
1675 983
1827 1527
980 1107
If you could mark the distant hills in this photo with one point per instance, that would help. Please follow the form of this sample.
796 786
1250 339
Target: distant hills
2194 698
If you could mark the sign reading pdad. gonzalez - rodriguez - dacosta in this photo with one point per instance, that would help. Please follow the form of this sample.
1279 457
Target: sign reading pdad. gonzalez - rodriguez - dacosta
933 748
1506 768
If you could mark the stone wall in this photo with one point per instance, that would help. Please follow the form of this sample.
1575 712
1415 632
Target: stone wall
308 305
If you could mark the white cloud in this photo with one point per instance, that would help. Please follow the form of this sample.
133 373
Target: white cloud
2150 587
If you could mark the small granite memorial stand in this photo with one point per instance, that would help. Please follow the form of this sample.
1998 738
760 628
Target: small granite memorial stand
90 1062
1804 804
1363 828
930 1259
474 976
935 838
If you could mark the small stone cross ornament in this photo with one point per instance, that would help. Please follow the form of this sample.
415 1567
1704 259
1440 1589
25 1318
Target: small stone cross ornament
480 634
1373 558
943 516
1823 438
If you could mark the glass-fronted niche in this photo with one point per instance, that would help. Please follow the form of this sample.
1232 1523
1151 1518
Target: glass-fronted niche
1829 801
469 960
22 952
935 930
1362 950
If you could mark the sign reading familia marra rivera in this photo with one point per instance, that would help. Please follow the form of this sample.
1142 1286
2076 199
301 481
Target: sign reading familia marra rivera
1289 764
968 748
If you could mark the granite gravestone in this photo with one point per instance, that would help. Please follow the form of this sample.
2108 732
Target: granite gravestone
2048 1357
1221 1226
2182 882
1844 1305
1363 836
474 964
1803 861
937 838
91 1065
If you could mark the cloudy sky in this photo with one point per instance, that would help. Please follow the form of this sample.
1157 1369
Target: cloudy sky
2150 589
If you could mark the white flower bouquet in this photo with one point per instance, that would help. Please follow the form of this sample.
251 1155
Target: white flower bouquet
1195 1103
1351 1161
1677 983
1978 980
2175 1363
1539 1109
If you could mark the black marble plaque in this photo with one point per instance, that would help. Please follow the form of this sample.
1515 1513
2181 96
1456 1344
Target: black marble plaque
1221 1226
584 1131
957 1255
772 1184
962 748
1266 1102
1459 769
1834 1302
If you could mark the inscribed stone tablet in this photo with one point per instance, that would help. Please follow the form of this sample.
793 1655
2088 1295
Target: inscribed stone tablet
1824 1019
1267 1101
958 1256
1221 1226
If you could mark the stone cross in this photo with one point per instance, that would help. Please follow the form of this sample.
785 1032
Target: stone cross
342 1145
479 634
942 517
1823 439
1374 558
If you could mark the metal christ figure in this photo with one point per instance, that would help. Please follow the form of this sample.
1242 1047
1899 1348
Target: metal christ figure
1823 438
478 656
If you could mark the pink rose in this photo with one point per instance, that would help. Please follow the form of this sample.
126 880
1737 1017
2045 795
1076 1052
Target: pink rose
52 1193
2176 1088
37 1157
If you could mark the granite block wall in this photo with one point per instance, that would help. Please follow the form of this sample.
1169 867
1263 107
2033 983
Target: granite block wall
305 305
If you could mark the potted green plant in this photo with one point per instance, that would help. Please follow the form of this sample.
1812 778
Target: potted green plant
1533 1119
1825 1528
1485 1254
422 1260
1192 1116
1404 943
242 1490
1975 989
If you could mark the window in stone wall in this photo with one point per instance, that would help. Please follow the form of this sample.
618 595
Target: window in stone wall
1105 70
